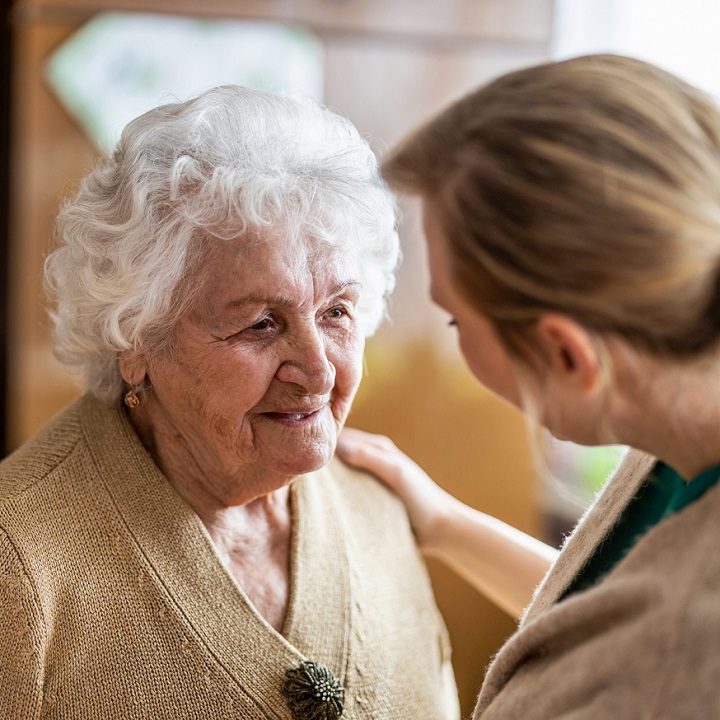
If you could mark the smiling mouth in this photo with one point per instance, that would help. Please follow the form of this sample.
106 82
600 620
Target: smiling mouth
294 419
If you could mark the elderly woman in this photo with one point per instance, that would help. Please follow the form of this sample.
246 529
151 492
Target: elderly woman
572 217
179 542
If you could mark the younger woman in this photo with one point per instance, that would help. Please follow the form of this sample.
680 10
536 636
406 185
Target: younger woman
572 216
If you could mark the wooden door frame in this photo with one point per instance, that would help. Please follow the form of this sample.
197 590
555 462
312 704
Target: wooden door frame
5 92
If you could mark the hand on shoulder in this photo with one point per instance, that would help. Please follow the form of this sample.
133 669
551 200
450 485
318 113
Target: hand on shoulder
427 504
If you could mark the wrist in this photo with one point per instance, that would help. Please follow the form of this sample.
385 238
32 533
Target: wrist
437 534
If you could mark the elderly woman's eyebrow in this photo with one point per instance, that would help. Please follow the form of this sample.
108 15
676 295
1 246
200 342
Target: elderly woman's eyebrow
281 300
340 287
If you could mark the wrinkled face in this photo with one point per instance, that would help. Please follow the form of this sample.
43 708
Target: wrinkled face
485 355
264 366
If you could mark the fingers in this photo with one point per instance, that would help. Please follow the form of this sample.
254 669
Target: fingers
362 449
352 437
376 454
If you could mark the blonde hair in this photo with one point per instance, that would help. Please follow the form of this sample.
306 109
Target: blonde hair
229 165
589 187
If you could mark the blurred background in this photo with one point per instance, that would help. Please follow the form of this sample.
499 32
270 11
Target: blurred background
73 72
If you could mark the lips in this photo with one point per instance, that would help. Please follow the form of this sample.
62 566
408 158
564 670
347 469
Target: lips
290 416
294 417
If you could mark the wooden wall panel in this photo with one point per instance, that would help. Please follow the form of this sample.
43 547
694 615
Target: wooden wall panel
457 20
50 155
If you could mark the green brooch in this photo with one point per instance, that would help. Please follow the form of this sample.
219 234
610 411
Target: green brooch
313 693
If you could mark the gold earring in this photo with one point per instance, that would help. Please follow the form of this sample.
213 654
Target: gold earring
131 399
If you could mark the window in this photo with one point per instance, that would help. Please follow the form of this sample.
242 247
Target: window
120 65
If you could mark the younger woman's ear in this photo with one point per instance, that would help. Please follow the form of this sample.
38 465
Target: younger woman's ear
573 355
133 367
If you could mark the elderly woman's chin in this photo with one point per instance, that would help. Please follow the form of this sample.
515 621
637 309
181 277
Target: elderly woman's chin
296 443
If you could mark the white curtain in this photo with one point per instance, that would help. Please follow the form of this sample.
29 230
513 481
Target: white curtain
682 36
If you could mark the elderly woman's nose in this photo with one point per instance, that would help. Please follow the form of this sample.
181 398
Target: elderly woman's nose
308 364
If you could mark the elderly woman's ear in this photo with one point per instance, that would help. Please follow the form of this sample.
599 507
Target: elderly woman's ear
133 367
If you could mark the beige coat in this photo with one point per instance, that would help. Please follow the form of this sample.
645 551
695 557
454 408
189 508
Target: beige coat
114 603
643 643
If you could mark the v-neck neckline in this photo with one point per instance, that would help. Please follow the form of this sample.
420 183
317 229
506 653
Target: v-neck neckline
177 547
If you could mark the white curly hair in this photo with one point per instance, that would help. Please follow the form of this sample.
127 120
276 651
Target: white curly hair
229 164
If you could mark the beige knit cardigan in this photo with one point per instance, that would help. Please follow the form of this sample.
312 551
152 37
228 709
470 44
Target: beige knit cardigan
643 643
114 603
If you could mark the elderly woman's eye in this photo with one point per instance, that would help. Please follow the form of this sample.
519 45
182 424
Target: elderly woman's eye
263 324
337 311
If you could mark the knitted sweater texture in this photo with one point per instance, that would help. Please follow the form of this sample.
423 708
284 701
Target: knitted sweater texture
644 643
114 603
